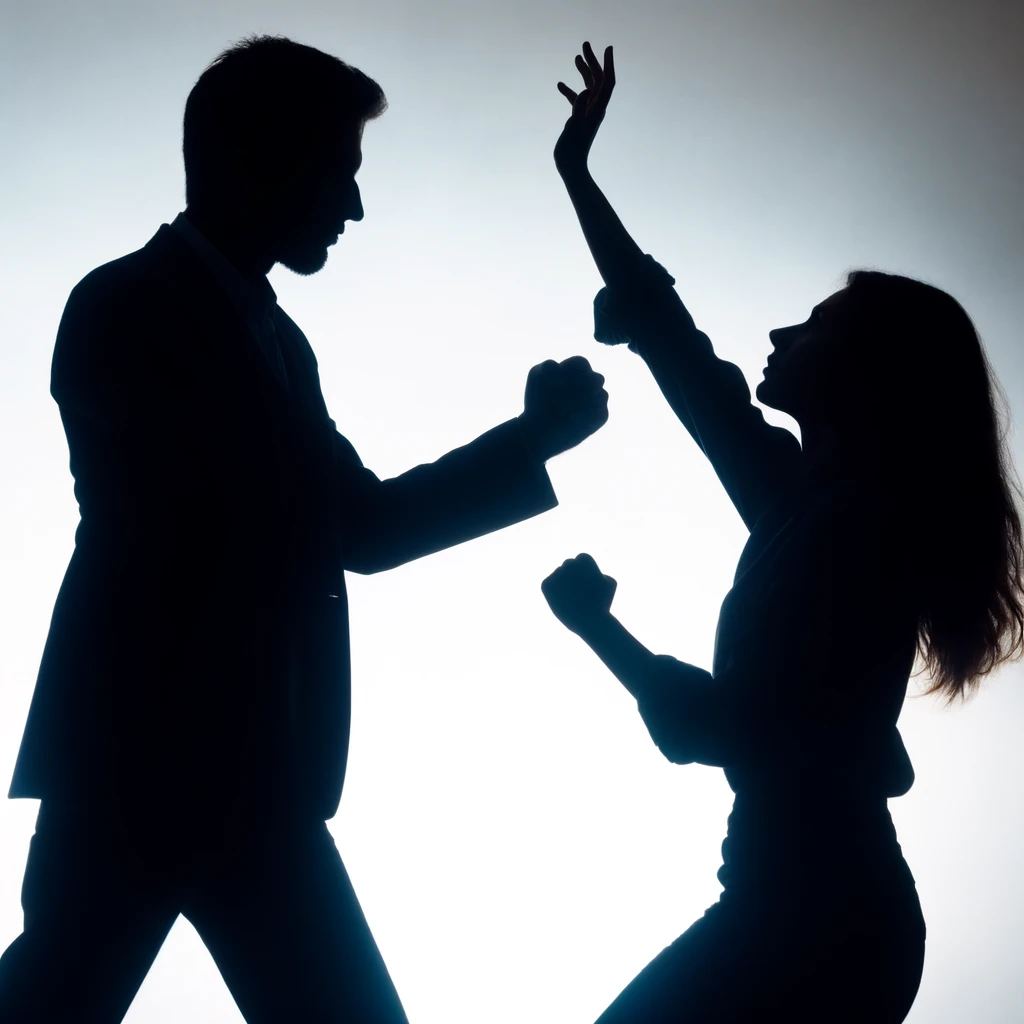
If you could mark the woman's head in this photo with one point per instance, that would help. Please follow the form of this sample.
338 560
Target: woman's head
893 370
877 361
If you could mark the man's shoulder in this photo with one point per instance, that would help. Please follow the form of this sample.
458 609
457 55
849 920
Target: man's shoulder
136 296
136 277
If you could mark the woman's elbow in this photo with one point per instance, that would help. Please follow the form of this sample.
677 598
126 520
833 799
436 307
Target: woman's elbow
677 754
675 747
689 749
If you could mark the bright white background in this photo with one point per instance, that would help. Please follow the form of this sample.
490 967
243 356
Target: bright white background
519 846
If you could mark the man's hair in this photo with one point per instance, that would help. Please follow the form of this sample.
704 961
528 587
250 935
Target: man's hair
264 103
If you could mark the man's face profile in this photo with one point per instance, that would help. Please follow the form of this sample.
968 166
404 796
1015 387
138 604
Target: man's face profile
317 200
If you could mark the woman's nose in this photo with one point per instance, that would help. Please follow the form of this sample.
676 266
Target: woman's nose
781 336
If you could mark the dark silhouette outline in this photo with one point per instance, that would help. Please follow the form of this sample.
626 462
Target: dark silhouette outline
189 729
844 580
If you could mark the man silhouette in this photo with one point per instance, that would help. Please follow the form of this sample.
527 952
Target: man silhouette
189 728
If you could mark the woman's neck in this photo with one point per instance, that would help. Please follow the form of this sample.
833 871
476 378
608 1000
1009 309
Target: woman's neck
822 450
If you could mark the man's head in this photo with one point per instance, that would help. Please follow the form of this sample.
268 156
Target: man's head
272 144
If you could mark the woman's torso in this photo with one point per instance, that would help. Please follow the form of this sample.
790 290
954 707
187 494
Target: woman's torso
820 628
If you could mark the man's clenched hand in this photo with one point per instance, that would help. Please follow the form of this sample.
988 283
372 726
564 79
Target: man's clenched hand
565 403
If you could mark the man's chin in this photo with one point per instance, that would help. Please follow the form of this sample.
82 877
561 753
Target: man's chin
305 261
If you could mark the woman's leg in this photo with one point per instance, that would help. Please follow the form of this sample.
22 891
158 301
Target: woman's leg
703 974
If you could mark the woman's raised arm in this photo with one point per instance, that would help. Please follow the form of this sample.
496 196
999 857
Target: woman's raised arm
639 306
619 259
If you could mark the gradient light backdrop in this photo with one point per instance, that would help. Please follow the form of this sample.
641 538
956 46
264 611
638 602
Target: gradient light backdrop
519 846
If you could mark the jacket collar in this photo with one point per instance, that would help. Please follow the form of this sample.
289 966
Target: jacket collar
253 297
175 259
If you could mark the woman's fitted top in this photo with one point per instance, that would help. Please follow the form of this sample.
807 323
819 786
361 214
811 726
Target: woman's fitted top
817 638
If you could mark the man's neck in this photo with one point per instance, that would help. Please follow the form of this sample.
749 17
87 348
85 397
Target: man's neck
248 254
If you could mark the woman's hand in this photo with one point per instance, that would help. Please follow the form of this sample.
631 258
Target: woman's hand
588 107
579 594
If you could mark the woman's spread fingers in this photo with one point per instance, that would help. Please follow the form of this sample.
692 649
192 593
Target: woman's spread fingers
585 73
592 62
567 92
609 65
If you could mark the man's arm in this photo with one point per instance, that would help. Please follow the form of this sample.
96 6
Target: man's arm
494 481
487 484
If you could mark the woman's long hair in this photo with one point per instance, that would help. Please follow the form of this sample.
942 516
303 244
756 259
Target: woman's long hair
937 419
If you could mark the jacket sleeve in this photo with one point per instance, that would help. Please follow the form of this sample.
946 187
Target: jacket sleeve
753 459
817 678
483 486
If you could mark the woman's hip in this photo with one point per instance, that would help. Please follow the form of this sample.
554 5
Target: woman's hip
809 957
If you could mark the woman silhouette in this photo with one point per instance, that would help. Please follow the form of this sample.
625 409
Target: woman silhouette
891 533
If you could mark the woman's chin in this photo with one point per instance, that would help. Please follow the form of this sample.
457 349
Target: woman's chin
767 392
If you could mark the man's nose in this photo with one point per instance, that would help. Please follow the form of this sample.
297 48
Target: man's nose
355 211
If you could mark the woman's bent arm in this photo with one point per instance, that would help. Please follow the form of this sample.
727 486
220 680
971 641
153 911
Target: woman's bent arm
676 700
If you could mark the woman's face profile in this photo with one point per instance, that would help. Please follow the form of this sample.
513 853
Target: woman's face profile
801 372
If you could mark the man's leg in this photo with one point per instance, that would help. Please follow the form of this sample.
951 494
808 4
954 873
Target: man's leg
95 918
283 924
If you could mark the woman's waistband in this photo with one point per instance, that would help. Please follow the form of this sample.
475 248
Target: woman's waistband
811 842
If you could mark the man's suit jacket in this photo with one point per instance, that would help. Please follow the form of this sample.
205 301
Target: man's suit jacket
198 653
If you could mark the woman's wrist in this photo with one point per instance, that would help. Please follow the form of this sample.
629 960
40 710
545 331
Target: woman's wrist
647 344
